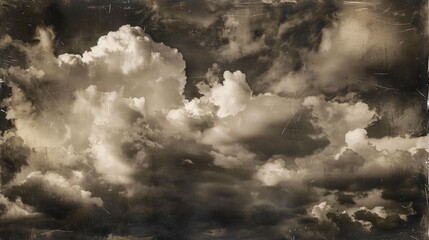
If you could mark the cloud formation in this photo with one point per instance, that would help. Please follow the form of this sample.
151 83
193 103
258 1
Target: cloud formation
112 143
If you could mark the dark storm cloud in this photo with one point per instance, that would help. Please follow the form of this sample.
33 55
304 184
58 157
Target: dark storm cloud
183 199
388 223
348 161
291 139
52 195
344 198
198 199
347 228
402 113
14 155
355 182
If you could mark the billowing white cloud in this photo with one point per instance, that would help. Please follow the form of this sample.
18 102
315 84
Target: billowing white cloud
273 172
320 210
130 60
233 95
107 118
86 107
240 116
126 60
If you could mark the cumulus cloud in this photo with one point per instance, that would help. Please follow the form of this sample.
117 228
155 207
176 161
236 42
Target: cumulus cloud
52 194
273 172
268 117
151 69
233 95
362 220
246 120
127 59
107 89
320 211
111 116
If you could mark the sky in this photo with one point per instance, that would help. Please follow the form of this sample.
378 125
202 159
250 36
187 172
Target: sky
213 119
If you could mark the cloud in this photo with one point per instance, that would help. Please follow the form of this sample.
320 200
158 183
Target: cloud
291 84
347 161
247 120
347 115
400 117
111 117
16 209
355 40
357 221
268 116
366 167
279 1
14 155
52 194
204 13
320 211
127 58
355 52
379 218
233 95
273 172
233 156
103 94
109 134
151 69
238 32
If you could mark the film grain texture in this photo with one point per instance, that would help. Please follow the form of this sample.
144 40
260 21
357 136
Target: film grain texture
213 119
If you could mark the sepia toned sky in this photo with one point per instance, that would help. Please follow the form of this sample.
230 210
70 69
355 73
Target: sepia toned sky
213 119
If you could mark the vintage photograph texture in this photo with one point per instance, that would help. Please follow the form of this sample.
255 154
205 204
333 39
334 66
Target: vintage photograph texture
213 119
